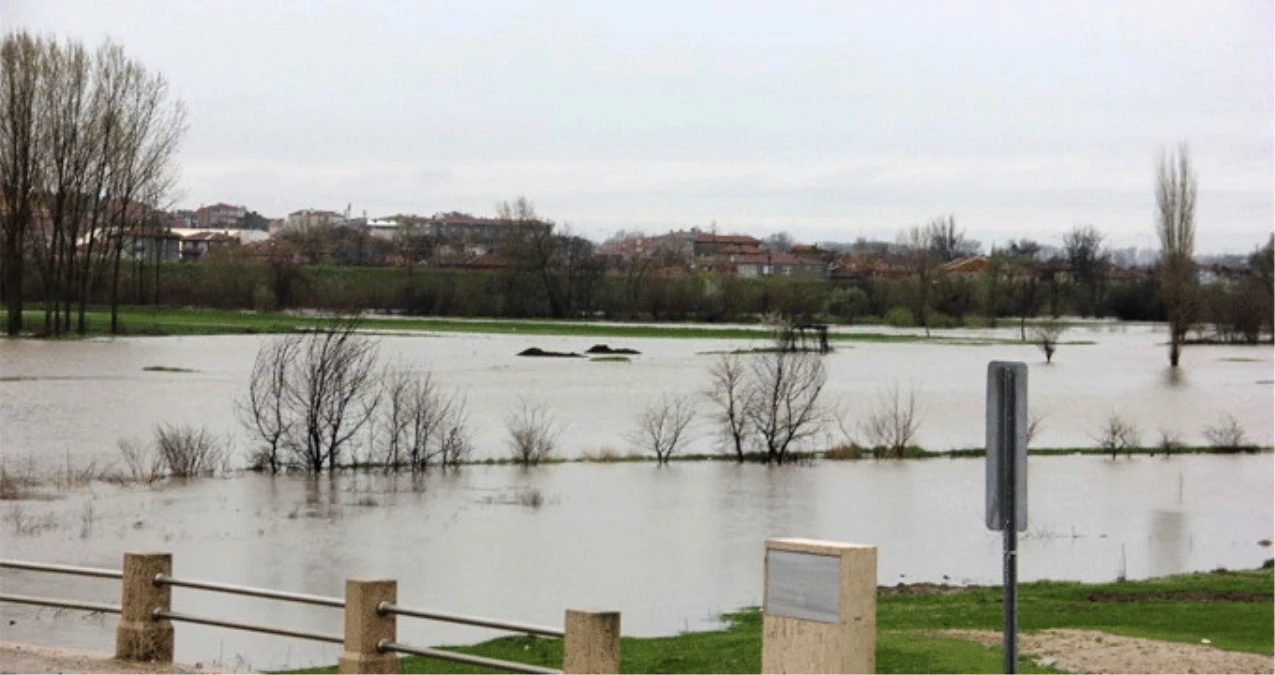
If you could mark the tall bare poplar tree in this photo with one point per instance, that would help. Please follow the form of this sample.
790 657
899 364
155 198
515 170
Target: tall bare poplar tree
20 65
1175 190
87 142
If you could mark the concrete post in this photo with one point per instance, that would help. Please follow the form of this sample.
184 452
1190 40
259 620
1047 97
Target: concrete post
141 637
820 613
592 642
365 628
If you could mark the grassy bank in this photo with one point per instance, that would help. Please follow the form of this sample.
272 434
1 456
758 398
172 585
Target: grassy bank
149 321
1231 609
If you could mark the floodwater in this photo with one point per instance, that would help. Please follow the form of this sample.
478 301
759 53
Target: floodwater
669 547
71 402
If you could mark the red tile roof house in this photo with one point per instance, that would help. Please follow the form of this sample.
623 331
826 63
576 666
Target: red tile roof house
711 245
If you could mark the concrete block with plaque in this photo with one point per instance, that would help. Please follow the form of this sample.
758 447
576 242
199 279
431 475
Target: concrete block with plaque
820 607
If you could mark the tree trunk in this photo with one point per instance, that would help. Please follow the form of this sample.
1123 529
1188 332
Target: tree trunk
13 272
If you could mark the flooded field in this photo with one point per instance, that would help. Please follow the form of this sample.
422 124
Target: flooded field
71 402
669 547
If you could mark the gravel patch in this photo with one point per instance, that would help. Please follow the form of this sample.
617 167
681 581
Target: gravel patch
16 658
1092 651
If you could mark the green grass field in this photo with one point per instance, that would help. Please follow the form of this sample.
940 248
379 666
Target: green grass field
1232 609
166 321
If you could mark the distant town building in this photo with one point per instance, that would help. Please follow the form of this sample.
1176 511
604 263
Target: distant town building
219 215
312 218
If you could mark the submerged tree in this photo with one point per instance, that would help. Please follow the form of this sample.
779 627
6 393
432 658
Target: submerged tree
662 426
310 395
785 405
730 395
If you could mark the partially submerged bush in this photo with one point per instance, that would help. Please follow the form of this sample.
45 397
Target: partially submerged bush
188 452
893 422
1117 434
533 434
1227 435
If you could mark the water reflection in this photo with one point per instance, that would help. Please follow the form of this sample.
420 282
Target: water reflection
1168 542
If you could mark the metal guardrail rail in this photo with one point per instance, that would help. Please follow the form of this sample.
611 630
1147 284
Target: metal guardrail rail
61 569
256 628
542 631
387 608
60 603
511 666
304 598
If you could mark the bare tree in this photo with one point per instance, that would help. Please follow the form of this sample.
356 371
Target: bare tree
785 408
1046 334
266 410
310 394
188 452
730 396
1088 261
455 443
1175 190
662 426
424 424
1117 434
946 241
923 260
893 422
334 389
533 433
1022 257
1227 434
20 160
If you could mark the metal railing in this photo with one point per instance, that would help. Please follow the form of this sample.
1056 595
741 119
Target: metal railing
61 603
61 569
146 615
541 631
391 609
255 628
304 598
161 580
442 655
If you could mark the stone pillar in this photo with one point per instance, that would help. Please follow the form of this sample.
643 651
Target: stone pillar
365 628
592 642
140 636
820 613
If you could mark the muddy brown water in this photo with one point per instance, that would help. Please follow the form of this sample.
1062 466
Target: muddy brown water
669 547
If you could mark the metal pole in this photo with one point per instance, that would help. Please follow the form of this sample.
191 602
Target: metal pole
1010 511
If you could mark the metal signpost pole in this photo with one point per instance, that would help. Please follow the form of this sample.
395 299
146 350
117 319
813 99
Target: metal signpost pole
1008 501
1007 481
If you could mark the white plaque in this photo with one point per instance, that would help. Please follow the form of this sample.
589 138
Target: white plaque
803 585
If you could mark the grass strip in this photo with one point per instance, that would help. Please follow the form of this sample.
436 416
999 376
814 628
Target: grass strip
150 321
1232 609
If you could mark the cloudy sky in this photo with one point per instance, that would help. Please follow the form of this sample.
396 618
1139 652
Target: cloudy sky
829 120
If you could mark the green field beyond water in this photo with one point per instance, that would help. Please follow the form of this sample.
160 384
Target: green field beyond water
1231 609
163 321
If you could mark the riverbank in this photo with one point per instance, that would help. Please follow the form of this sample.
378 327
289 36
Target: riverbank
1222 619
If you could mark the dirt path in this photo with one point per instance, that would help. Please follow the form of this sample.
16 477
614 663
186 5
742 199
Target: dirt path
16 658
1092 651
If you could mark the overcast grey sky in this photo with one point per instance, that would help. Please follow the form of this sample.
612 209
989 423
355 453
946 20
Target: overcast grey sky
830 120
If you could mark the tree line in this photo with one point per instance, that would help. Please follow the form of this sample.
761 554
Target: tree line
87 146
